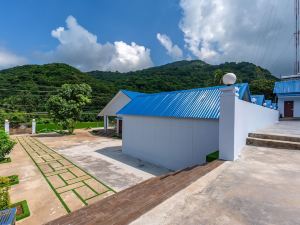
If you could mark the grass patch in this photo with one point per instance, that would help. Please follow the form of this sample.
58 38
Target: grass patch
9 181
22 210
212 156
5 160
51 127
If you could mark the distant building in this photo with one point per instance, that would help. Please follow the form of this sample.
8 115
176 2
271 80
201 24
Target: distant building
288 94
258 99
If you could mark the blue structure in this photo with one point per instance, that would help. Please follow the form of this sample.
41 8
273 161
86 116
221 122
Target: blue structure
8 216
201 103
288 94
290 87
132 94
268 103
258 99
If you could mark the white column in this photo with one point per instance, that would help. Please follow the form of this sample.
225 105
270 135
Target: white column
105 123
6 126
117 128
33 127
227 123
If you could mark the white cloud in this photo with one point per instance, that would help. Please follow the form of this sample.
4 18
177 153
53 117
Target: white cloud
173 50
80 48
9 59
259 31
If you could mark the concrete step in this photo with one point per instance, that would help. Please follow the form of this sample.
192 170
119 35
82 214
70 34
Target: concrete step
269 143
275 137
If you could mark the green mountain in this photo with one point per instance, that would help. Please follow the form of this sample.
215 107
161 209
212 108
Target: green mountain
27 88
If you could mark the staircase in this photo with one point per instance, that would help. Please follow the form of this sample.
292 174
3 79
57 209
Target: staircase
274 141
126 206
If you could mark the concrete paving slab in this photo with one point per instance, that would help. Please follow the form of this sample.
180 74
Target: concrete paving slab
96 185
85 192
78 172
69 187
67 176
56 181
82 178
71 199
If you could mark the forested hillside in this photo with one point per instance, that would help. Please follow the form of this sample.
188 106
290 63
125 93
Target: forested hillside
27 88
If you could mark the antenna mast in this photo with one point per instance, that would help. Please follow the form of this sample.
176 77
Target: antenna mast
297 37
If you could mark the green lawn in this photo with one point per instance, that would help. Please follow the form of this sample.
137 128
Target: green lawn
80 125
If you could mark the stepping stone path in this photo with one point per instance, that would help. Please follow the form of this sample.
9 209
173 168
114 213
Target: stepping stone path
73 186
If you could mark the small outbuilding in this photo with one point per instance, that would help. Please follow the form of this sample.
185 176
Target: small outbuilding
288 94
122 98
175 129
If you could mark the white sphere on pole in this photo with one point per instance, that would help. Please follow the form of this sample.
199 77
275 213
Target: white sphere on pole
229 79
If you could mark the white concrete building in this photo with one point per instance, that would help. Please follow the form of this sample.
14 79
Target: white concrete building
178 129
288 94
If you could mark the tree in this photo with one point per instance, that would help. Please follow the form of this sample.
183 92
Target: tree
218 75
263 86
66 107
6 145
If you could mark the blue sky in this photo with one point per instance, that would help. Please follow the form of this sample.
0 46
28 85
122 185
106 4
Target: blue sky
27 25
162 31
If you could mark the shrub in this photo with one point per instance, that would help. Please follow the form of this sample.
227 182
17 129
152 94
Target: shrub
6 145
9 181
4 198
4 181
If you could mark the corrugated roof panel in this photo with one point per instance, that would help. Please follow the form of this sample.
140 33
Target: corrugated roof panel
260 99
289 86
196 103
132 94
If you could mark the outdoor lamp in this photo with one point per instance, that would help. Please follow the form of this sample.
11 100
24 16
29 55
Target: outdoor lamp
229 79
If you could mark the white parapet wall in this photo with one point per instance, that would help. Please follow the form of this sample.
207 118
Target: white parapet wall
237 119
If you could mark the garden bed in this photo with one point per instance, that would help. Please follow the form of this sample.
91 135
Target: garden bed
22 210
9 181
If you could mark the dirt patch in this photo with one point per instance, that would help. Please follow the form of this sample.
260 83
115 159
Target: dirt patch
19 209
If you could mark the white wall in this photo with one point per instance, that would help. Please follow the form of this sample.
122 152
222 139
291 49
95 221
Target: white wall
296 105
170 142
115 105
237 119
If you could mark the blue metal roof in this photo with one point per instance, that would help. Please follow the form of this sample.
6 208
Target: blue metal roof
285 87
260 99
268 103
132 94
196 103
8 216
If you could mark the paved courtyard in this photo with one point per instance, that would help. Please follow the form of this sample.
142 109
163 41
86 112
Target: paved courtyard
73 186
103 158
